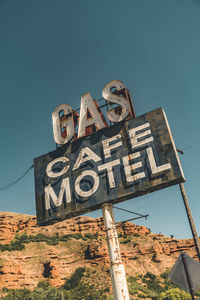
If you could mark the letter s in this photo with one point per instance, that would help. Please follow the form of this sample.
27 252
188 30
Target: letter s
120 100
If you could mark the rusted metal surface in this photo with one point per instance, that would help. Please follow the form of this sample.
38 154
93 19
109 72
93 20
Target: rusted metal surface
118 276
129 159
68 124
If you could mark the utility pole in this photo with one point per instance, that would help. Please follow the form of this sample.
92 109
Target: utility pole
190 219
118 276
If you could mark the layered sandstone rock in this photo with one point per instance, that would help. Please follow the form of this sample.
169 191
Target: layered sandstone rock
143 252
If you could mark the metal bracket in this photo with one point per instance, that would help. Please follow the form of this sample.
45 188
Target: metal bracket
122 222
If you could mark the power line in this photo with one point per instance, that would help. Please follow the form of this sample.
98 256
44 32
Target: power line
188 131
14 181
192 146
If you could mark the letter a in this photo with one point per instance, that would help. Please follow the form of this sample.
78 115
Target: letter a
87 104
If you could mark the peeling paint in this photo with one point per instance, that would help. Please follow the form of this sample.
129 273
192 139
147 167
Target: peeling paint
129 159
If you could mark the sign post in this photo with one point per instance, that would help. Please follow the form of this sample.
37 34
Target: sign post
117 270
190 219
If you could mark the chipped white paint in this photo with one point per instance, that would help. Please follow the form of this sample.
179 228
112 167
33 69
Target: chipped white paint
68 124
107 147
129 169
122 101
90 192
138 160
50 194
86 154
88 105
62 159
135 137
109 167
156 170
118 274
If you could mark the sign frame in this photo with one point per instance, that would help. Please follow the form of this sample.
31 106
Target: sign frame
153 140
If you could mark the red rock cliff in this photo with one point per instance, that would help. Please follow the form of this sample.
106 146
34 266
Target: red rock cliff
141 250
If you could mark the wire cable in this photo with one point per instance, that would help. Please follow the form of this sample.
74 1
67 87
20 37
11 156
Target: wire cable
132 219
15 180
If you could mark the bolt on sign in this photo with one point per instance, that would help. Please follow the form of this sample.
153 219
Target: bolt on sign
133 157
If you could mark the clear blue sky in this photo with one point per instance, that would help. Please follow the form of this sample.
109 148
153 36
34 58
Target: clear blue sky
53 51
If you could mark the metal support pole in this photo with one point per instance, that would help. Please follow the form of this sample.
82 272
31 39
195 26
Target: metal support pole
190 219
187 275
118 276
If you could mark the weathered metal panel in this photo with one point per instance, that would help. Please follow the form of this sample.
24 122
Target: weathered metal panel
132 158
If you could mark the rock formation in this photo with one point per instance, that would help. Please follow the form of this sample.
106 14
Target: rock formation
141 250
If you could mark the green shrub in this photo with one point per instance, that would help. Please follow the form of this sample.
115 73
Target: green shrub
16 294
136 235
121 235
155 259
77 236
82 285
74 280
150 275
173 294
89 236
13 246
131 279
18 242
43 285
164 275
5 290
125 241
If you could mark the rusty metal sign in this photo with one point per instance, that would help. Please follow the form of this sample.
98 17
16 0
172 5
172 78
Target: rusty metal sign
129 159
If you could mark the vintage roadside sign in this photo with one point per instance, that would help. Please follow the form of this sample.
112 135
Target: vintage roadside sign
129 159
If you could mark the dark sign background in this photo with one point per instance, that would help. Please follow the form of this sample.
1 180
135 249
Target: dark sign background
163 149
